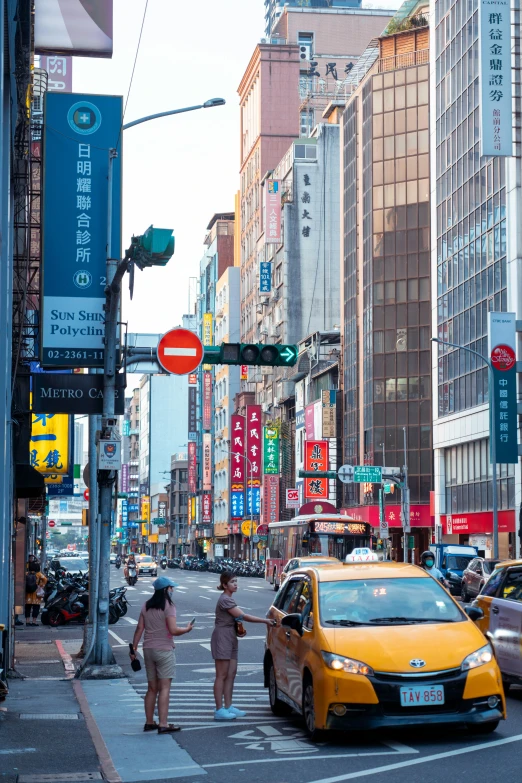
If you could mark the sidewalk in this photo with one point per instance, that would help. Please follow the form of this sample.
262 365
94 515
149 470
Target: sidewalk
56 729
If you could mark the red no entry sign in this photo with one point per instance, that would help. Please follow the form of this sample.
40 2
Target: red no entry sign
86 495
180 351
51 523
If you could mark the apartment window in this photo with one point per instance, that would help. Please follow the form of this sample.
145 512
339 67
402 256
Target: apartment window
305 151
306 122
469 485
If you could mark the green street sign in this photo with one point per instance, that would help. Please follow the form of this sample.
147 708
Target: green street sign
271 450
387 488
367 474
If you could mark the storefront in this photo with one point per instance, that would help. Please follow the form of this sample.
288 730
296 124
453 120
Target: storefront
476 529
418 539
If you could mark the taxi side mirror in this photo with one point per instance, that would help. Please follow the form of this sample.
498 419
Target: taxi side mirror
293 621
474 613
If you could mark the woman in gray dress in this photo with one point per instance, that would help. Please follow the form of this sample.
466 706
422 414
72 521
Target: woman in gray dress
224 646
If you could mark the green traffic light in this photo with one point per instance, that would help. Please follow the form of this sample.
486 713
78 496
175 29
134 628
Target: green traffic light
253 355
155 247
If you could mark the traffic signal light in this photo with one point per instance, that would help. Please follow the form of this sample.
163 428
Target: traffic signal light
253 355
153 248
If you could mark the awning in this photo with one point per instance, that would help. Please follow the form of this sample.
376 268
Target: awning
28 482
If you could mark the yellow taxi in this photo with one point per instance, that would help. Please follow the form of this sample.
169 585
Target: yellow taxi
499 617
373 645
302 562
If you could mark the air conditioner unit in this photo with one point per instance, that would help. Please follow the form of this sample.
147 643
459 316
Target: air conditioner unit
305 51
264 331
265 407
276 402
275 295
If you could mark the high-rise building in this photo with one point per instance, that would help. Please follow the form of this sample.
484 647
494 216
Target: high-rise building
386 289
475 257
274 8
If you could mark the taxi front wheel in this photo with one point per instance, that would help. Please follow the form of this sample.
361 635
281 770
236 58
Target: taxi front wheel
309 711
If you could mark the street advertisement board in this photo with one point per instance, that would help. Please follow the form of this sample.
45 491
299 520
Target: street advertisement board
79 130
329 409
59 71
75 27
270 499
206 510
272 212
237 469
207 334
495 78
207 460
75 393
316 458
192 467
271 450
502 354
265 277
292 498
192 413
124 480
207 400
50 443
253 465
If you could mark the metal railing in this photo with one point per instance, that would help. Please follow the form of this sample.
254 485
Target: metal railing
403 60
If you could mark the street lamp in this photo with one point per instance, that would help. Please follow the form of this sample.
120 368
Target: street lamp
207 105
492 434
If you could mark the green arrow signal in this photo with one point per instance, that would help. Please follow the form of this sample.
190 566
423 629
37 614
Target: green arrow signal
289 354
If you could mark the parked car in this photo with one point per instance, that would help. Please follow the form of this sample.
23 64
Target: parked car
452 560
72 565
378 645
500 607
112 558
475 577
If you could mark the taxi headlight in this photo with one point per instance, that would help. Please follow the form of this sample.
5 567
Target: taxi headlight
348 665
478 658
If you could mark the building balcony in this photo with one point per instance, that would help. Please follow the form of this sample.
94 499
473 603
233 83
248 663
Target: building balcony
404 60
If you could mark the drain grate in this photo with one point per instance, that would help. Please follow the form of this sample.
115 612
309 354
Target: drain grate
66 777
49 716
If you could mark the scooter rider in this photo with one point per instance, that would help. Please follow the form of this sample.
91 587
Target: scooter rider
117 562
427 561
131 561
163 562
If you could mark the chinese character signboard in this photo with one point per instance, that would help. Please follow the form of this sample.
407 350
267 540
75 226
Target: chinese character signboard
329 400
272 212
207 329
207 400
59 70
49 443
270 450
244 372
495 100
125 477
193 378
270 499
237 466
502 352
253 466
316 458
192 467
207 460
206 508
79 130
265 277
192 408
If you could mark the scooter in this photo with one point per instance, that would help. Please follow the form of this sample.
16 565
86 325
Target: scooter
132 574
118 563
163 563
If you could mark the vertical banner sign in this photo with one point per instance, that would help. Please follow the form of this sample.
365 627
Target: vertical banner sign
292 498
253 465
192 413
125 477
59 70
270 499
495 101
192 467
207 400
145 509
244 372
124 513
328 400
272 212
265 277
310 422
207 509
270 450
49 443
193 379
79 130
316 458
237 470
207 460
207 334
502 352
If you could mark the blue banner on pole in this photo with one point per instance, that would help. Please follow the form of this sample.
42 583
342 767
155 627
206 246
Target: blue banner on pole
502 348
79 130
265 277
253 501
237 504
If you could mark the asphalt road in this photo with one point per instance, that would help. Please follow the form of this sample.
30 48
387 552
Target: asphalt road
263 747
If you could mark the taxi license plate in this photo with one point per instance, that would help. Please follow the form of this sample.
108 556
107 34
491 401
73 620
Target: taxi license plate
422 695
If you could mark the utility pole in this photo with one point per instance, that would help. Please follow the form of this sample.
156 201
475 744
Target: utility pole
406 527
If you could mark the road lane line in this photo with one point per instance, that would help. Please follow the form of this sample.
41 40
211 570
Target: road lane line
120 641
205 597
206 646
298 758
414 762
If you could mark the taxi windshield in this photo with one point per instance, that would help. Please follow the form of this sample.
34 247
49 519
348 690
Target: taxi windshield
386 602
145 559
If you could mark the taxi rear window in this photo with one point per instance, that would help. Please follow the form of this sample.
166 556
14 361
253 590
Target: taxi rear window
386 602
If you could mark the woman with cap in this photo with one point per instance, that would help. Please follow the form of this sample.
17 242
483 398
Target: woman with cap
158 623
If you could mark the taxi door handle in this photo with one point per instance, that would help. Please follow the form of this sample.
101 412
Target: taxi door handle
495 610
287 634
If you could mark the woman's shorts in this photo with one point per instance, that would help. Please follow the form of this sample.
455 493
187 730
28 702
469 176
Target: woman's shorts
160 664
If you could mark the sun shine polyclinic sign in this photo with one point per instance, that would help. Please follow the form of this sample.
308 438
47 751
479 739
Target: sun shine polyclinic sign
496 110
79 130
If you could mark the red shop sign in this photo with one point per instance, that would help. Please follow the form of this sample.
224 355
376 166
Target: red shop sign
479 522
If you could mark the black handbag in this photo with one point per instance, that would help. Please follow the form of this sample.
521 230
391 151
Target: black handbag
135 664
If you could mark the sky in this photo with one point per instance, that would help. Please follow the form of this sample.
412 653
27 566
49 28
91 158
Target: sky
177 171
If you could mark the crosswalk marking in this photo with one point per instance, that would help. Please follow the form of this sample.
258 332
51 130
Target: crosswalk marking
131 620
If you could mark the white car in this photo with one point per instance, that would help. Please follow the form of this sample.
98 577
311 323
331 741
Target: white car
112 558
362 554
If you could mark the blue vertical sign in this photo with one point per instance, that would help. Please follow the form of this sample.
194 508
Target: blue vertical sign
502 354
79 130
253 501
265 277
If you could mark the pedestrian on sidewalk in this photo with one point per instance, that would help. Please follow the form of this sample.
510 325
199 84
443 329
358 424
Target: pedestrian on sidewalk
158 623
224 646
35 582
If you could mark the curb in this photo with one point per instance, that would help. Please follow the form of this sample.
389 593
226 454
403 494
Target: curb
68 664
107 767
